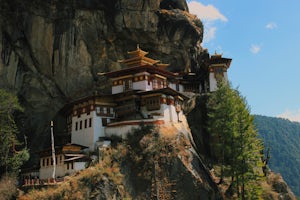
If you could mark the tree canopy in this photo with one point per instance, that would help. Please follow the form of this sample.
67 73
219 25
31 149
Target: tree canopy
11 158
234 142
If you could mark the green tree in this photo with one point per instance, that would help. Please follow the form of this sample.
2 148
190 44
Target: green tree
10 158
235 144
221 126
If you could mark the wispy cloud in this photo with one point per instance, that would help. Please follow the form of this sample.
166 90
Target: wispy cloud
209 32
271 25
255 48
208 14
291 115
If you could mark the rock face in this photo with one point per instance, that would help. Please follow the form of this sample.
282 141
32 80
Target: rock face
51 51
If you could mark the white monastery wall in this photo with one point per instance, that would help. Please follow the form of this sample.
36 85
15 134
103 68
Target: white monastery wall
213 85
179 88
46 170
117 89
212 82
142 85
79 166
86 133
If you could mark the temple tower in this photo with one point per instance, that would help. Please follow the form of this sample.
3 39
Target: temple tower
217 70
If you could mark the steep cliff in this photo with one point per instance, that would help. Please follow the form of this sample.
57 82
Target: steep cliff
51 51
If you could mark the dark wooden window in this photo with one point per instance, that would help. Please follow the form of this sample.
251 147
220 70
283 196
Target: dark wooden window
90 122
85 123
104 121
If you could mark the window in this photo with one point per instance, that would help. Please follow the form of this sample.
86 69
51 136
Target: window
153 103
70 165
104 110
90 122
76 126
47 162
85 123
104 121
80 125
127 85
43 161
155 85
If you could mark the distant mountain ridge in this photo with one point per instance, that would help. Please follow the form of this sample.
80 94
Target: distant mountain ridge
283 138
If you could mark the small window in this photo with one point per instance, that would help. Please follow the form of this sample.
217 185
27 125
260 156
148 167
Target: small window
104 121
47 161
85 123
80 125
76 126
90 122
43 160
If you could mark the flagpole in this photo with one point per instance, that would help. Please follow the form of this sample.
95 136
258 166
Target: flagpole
53 152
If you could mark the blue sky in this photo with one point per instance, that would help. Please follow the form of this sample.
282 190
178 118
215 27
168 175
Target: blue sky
263 39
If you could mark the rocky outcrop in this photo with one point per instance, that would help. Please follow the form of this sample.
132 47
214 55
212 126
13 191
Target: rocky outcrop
51 51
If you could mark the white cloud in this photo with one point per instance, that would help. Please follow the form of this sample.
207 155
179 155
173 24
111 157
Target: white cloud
209 33
291 115
255 48
271 25
208 12
208 15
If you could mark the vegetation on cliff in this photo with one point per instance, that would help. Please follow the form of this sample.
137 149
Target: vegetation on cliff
11 158
282 137
12 152
149 164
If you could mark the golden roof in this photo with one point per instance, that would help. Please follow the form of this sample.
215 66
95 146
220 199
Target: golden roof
138 58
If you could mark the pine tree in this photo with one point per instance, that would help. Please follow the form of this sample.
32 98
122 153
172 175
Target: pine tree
235 143
10 158
221 126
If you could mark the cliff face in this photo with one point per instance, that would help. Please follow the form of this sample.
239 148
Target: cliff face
51 51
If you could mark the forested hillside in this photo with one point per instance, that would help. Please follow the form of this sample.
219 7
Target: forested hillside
283 138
